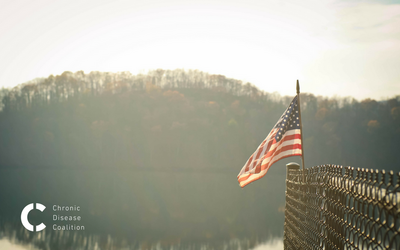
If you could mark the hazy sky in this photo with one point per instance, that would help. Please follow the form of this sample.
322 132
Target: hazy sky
334 47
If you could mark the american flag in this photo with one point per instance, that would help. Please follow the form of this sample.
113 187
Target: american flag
283 141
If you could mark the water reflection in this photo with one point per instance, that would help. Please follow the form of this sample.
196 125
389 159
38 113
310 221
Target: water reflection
143 210
6 244
271 244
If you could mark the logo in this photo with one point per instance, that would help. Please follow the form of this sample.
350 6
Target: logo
24 217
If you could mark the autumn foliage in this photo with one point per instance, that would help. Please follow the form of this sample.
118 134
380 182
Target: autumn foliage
181 119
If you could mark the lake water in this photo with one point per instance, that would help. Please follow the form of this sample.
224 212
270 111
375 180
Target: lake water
273 244
127 209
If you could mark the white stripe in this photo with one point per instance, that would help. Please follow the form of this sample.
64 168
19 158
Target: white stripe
252 165
278 146
253 177
290 132
244 167
282 154
272 137
243 175
285 143
275 158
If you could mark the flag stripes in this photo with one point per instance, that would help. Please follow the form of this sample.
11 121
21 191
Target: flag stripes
283 141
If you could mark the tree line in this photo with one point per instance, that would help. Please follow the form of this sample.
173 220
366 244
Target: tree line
177 119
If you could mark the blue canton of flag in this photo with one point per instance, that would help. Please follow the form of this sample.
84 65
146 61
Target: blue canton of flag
289 120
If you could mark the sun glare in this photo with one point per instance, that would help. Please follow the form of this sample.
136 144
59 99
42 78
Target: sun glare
268 43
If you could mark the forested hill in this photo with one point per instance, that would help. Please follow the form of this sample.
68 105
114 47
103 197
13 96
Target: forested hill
181 120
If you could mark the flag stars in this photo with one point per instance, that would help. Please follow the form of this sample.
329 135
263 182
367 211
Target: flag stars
288 121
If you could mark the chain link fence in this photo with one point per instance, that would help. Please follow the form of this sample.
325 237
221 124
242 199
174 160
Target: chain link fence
332 207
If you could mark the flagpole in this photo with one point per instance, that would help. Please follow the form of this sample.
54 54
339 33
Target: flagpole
301 129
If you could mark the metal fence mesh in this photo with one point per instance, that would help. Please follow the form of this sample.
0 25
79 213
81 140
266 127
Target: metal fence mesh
331 207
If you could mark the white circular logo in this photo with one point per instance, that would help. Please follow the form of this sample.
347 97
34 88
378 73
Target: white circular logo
24 217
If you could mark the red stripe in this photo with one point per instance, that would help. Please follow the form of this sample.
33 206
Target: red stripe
285 138
269 165
259 151
256 160
283 149
274 152
277 152
252 161
270 144
248 163
260 176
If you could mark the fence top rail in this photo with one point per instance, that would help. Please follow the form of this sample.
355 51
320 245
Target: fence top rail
370 175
